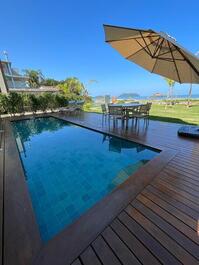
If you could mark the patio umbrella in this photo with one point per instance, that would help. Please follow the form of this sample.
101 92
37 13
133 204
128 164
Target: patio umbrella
157 52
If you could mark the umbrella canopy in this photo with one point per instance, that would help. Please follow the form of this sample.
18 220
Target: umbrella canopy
157 52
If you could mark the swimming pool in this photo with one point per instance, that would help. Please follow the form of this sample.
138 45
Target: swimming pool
69 168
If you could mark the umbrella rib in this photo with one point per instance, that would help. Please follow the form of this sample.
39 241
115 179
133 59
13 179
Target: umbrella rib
149 35
157 56
169 59
129 56
146 46
157 46
133 38
143 48
187 60
174 60
164 53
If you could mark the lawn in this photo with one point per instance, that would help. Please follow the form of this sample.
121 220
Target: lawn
177 113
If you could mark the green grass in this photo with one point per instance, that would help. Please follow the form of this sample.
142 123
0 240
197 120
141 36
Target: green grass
177 113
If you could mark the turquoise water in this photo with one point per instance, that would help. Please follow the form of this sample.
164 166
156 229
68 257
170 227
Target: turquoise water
69 168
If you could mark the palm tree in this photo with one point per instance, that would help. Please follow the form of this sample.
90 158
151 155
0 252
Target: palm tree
190 89
189 96
171 84
35 77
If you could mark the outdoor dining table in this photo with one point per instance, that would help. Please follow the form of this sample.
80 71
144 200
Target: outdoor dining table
128 108
129 105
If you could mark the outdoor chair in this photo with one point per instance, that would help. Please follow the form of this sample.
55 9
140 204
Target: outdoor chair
116 113
67 109
73 107
131 112
142 111
149 104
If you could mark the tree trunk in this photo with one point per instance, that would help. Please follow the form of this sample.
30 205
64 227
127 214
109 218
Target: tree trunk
189 97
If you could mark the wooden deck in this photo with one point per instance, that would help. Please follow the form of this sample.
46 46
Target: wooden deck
160 226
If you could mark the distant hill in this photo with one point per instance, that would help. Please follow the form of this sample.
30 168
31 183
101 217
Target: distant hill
128 96
98 98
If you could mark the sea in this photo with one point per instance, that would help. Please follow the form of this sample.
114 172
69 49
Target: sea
196 96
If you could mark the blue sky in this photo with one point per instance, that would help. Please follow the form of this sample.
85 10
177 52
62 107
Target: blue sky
66 38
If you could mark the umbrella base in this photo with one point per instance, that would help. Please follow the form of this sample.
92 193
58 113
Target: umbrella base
189 131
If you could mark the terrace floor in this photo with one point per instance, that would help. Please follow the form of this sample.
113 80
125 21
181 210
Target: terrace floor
161 224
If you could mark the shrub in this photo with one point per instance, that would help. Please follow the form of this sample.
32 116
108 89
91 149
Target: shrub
20 107
15 103
61 100
50 98
43 102
26 102
34 103
4 104
19 103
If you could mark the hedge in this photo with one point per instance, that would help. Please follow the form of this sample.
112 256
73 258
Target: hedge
20 103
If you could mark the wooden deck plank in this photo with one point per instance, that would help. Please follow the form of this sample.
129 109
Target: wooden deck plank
76 262
189 170
168 229
178 172
181 158
193 199
185 162
185 166
179 225
122 251
171 209
89 257
141 252
176 202
171 245
176 196
174 175
180 182
104 252
147 240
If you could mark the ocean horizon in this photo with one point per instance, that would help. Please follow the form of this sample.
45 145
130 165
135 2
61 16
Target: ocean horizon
195 96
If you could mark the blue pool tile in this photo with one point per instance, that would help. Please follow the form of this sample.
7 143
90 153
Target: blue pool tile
85 197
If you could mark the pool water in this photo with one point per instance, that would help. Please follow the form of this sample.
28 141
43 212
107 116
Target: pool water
69 168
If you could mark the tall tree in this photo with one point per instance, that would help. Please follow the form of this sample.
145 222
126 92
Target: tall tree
190 88
35 77
50 82
171 84
189 96
72 88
